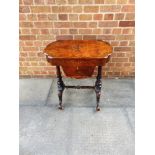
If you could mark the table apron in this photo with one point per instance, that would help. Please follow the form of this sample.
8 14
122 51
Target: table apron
78 62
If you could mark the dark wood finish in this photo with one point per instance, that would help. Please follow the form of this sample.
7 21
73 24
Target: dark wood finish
78 59
81 87
61 86
98 86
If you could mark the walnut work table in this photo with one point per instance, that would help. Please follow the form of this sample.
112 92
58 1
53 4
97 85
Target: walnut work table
78 59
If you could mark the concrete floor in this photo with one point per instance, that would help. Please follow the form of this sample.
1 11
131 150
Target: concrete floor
78 129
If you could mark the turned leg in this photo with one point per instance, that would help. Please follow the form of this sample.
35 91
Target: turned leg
60 86
98 86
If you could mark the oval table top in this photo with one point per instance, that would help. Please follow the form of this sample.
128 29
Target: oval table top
78 49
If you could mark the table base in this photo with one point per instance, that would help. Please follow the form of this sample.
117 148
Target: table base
61 86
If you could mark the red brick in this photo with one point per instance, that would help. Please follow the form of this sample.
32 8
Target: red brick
127 31
80 24
114 43
132 59
110 8
63 16
40 54
29 43
20 2
32 17
43 24
50 1
130 16
27 37
62 24
106 37
120 54
66 9
131 2
118 64
85 17
126 23
52 17
24 9
89 37
77 9
37 43
63 31
109 1
85 1
97 31
77 37
21 43
26 24
40 9
85 31
44 31
111 64
106 31
116 74
131 43
25 31
123 43
120 59
42 63
38 29
125 37
108 24
92 24
122 49
54 31
61 9
23 54
60 2
55 9
108 17
119 16
39 2
127 64
42 17
98 17
73 17
72 1
73 31
35 31
116 31
32 54
26 63
122 1
22 17
128 8
30 48
91 9
65 37
45 37
99 1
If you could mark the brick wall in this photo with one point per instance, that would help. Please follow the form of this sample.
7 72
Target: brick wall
44 21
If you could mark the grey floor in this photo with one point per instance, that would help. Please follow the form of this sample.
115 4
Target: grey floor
78 129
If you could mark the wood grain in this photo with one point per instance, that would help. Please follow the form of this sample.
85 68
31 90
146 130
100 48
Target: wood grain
78 58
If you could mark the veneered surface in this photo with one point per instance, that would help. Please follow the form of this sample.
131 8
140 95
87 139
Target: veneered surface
78 58
78 71
78 49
